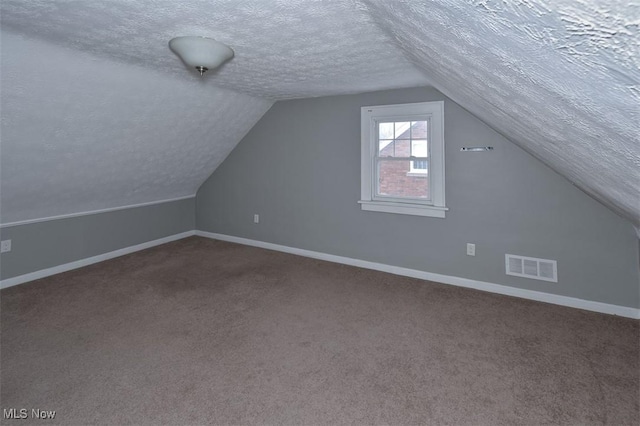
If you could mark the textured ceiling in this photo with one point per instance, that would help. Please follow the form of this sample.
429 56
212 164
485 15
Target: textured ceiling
283 48
82 134
558 77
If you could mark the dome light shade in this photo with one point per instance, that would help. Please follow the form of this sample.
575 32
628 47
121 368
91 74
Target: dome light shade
200 52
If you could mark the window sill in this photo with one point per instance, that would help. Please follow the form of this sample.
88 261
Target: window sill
403 208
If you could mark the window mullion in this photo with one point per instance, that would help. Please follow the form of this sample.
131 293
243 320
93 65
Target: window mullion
410 139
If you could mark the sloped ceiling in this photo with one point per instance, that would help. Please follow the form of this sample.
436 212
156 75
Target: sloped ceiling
561 78
102 114
82 134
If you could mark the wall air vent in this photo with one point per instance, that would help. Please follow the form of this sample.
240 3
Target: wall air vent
531 267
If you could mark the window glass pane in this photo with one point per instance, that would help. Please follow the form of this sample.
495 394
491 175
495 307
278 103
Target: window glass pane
419 148
403 130
395 179
419 129
403 148
385 130
385 148
408 141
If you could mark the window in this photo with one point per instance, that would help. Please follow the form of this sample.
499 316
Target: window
419 166
402 164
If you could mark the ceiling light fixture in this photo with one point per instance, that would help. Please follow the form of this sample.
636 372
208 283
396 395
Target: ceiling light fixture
202 53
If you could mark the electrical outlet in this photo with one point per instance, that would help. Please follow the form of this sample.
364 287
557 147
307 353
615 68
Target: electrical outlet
5 246
471 249
256 218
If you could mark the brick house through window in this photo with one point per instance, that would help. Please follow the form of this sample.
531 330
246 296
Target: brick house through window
408 178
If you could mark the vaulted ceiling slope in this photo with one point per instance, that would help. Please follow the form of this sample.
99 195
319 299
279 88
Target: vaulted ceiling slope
558 77
82 134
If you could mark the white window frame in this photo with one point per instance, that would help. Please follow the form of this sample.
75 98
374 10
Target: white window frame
370 116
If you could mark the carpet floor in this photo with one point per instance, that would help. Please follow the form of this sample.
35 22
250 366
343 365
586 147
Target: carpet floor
200 331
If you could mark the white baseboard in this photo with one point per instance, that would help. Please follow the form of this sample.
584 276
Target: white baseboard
555 299
9 282
572 302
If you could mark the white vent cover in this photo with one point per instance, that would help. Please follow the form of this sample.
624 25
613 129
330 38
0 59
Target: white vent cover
531 267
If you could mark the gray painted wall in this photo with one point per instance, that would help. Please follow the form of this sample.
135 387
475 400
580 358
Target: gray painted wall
47 244
299 168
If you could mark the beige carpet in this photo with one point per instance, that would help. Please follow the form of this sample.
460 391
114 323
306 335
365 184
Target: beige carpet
207 332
